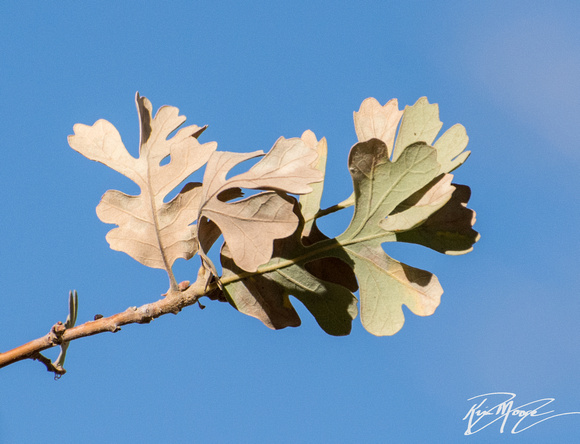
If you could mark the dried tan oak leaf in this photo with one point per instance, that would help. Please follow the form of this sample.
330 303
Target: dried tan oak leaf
250 225
373 121
150 230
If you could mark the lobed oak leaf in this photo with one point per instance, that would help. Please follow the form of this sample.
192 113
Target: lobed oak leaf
448 230
251 225
435 216
386 285
380 186
257 296
265 295
420 123
150 230
416 209
310 202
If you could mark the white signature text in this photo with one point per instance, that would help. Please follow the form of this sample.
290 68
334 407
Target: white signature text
499 407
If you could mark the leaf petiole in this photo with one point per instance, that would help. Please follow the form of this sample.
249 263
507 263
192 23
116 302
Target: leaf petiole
349 202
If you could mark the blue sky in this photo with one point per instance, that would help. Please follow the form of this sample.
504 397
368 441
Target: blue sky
254 71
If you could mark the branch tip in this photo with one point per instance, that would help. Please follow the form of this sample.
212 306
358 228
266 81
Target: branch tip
61 334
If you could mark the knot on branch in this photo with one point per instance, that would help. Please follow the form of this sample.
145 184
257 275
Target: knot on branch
56 333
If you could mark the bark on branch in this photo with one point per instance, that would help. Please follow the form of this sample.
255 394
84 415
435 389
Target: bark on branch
173 302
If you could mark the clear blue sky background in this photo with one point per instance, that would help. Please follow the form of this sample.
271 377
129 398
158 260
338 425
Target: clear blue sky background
253 71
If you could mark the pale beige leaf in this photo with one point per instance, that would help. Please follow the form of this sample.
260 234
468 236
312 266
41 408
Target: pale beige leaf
310 203
217 168
289 166
102 143
150 230
250 226
172 230
373 121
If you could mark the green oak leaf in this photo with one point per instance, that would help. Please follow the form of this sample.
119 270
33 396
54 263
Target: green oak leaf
448 230
265 295
385 284
435 216
380 186
416 209
403 195
420 123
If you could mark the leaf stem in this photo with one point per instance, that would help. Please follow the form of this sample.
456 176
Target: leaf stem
349 202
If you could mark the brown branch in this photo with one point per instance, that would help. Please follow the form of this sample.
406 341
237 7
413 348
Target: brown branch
173 302
57 370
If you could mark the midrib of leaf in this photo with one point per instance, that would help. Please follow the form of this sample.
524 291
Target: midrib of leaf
311 251
349 202
294 281
153 206
370 199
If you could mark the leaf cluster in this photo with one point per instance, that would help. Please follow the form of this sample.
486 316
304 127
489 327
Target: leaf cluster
272 247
